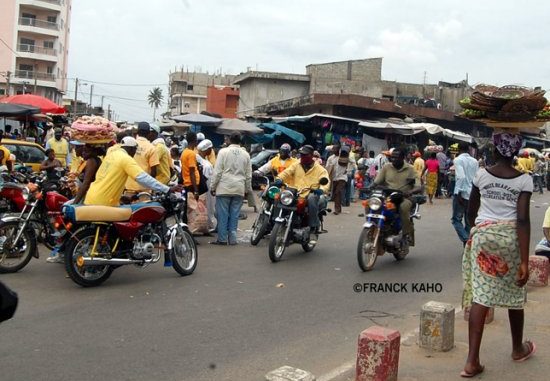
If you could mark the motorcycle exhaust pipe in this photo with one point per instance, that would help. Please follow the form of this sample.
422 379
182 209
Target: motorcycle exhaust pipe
93 261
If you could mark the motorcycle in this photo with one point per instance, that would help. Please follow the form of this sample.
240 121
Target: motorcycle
291 224
383 229
264 220
36 222
136 234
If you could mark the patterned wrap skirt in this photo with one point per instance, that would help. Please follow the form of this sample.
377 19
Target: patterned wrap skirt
431 183
489 266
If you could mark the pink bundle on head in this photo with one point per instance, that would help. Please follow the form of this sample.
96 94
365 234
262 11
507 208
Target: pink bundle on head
507 145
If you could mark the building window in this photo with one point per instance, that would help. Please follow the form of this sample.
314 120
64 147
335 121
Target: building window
52 19
48 44
62 23
28 15
49 69
189 87
58 73
26 45
23 67
2 92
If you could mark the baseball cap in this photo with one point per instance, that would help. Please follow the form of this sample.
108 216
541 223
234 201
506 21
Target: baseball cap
286 147
204 145
155 128
128 141
307 150
144 126
200 136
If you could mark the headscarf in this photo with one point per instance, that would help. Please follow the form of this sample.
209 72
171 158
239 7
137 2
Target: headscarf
507 144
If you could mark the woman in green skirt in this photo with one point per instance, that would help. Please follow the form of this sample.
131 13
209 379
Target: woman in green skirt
495 261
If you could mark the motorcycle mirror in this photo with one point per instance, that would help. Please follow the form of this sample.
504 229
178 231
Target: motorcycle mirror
323 181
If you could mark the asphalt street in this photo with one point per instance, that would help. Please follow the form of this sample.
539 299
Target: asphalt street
237 317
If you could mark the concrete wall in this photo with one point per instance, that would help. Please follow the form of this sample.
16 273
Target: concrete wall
7 33
259 91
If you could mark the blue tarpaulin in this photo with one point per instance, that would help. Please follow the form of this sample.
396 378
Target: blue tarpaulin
295 135
261 139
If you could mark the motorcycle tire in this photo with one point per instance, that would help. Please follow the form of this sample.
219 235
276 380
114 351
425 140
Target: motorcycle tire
29 246
367 259
307 247
87 276
260 228
45 237
182 245
402 252
277 245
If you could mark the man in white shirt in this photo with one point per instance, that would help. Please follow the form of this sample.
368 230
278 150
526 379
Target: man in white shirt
231 180
465 170
205 149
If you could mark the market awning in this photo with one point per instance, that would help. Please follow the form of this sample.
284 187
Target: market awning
230 126
197 119
8 110
294 135
391 128
44 104
435 129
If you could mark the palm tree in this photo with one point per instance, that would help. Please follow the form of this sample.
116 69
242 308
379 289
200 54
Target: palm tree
155 98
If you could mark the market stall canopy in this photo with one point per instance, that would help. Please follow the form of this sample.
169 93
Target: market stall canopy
33 118
391 128
44 104
230 126
8 110
198 119
294 135
435 129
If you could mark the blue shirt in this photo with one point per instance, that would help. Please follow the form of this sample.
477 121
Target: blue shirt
465 170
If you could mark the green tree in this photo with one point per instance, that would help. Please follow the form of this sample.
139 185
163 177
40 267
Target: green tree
154 99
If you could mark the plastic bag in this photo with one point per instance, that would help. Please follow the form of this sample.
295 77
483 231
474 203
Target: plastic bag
197 216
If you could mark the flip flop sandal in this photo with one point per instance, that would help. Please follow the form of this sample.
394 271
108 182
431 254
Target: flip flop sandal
531 352
470 375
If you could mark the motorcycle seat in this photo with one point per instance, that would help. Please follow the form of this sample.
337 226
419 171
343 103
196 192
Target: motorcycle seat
138 205
92 213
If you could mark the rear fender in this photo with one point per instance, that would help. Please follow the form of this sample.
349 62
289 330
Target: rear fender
172 230
31 231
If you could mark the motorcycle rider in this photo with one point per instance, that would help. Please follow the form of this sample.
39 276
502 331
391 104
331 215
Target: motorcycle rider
396 175
117 166
279 163
304 175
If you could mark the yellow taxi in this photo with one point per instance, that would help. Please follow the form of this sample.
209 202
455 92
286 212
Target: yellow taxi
28 153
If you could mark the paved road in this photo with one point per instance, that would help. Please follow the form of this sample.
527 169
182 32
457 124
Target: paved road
229 320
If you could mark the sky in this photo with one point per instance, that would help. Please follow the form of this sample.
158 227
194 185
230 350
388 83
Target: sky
136 43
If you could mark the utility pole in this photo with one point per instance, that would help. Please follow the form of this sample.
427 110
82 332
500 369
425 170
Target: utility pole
109 112
75 97
91 94
8 75
35 80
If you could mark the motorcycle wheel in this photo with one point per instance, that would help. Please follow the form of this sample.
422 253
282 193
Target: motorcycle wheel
45 236
79 245
259 229
184 255
277 244
367 248
15 255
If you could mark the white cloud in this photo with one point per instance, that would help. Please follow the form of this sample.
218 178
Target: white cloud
449 30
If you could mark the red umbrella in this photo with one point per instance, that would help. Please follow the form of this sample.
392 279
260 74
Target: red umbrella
44 104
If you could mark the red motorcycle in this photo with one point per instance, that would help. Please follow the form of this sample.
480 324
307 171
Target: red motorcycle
38 220
136 234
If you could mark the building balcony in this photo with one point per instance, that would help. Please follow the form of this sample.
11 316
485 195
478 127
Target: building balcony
36 52
33 25
51 5
32 75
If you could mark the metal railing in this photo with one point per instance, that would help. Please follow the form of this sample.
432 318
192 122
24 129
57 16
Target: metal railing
26 48
58 2
29 74
30 21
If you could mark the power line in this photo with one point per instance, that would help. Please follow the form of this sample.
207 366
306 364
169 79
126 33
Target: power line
110 96
124 84
7 46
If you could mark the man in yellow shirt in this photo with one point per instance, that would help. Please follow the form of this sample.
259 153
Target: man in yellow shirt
5 154
279 163
117 167
76 157
165 161
189 167
525 163
146 157
307 174
60 147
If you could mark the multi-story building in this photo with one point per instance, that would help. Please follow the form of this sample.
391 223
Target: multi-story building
33 56
189 90
222 100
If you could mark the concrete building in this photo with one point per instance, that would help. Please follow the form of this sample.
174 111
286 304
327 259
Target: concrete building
188 90
36 33
222 100
355 77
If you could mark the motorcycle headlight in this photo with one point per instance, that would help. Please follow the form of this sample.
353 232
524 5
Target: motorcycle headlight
272 192
25 194
375 204
287 198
